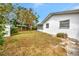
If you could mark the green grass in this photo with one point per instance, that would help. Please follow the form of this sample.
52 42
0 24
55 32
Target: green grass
32 43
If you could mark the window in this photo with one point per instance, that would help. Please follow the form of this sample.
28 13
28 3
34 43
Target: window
47 25
64 24
40 26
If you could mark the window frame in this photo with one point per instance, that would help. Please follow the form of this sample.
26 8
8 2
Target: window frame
47 25
64 24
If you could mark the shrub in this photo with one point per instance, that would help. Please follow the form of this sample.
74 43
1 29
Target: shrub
1 40
14 30
34 28
62 35
2 33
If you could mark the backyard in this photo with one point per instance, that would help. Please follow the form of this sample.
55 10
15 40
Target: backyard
32 43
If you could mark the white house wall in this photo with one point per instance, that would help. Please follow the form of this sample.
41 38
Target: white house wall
54 21
7 30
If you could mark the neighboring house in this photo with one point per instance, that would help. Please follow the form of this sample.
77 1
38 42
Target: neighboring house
64 22
7 30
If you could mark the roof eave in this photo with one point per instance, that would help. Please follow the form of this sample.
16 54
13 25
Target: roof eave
58 13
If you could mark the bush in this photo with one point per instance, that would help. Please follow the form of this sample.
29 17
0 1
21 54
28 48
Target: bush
1 40
62 35
34 28
2 33
14 31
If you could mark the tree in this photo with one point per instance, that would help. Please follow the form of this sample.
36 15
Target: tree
5 8
2 29
27 16
4 11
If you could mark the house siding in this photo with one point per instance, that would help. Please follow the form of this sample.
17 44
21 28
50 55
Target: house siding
54 21
7 30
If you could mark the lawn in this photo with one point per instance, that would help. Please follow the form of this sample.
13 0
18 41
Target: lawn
32 43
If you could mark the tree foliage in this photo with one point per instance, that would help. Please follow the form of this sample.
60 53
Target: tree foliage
2 29
24 16
27 16
4 11
5 8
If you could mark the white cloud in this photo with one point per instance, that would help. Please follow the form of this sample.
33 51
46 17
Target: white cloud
75 7
38 4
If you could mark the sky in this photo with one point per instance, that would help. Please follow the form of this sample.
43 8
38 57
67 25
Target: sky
43 9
